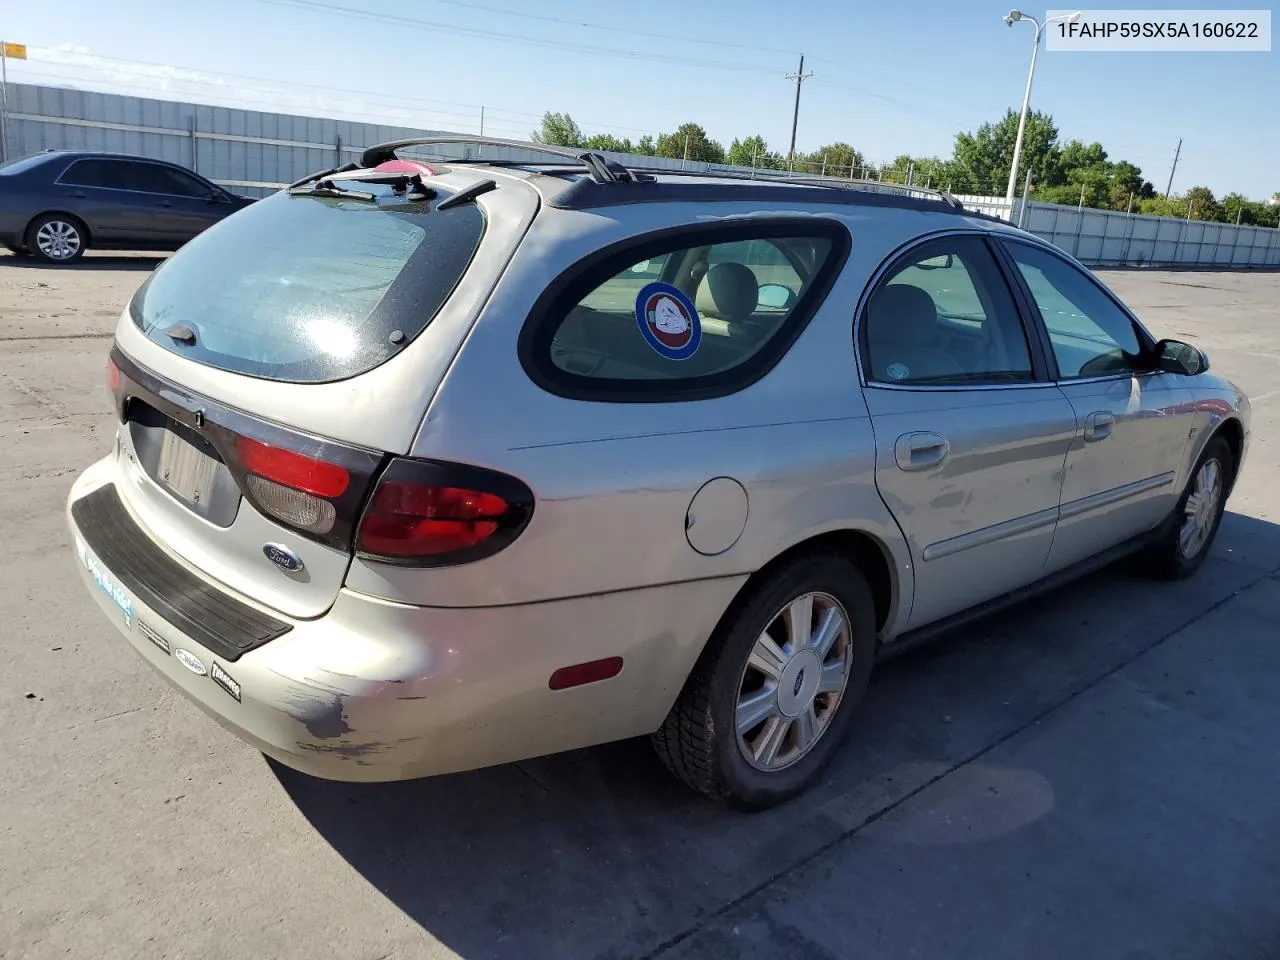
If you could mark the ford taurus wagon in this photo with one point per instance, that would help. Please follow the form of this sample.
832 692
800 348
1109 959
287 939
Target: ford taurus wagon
427 465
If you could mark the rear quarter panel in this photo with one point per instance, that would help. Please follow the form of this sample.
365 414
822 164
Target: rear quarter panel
614 481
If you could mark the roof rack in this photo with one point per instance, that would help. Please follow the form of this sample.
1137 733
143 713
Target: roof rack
599 167
839 183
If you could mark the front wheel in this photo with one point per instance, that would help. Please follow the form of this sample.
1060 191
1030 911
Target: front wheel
1183 542
57 238
773 694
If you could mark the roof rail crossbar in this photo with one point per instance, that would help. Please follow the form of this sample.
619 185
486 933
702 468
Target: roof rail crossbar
601 169
837 183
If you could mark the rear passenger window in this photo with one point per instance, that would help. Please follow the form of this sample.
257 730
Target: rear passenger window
94 172
944 315
707 313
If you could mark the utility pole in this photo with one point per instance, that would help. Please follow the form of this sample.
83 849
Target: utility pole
799 77
482 121
1177 153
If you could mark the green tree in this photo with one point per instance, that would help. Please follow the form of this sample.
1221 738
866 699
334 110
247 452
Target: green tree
558 129
752 152
982 159
691 142
1203 206
646 146
836 158
1074 155
607 141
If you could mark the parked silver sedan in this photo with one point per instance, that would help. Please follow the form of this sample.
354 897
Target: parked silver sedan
426 466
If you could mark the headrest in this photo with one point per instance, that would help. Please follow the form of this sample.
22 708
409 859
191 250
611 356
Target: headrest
728 292
902 315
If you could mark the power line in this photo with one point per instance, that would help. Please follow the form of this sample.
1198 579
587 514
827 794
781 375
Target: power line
629 31
515 38
346 93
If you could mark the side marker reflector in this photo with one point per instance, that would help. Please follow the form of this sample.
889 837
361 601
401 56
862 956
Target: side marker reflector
590 672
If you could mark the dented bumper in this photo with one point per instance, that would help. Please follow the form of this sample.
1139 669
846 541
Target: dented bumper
374 690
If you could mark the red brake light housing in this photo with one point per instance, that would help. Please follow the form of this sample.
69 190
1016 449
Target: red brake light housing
317 477
424 513
113 375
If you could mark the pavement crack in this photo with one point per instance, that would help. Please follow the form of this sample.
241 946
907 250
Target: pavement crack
121 713
30 394
977 755
57 336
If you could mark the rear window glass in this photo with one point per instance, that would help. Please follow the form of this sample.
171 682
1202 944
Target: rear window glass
23 164
703 313
310 289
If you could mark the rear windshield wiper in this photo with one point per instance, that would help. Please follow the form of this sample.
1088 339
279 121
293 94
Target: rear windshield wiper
402 184
328 189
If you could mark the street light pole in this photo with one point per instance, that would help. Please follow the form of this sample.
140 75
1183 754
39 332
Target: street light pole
1012 17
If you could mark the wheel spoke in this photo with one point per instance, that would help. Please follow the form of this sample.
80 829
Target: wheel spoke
832 678
828 629
806 727
755 708
799 622
1209 475
767 657
770 742
1193 504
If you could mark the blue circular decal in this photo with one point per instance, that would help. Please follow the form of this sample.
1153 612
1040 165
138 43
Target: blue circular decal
668 321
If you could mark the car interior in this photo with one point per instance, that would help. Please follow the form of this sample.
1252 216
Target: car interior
738 312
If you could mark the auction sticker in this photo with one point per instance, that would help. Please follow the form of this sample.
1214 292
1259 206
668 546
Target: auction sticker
668 321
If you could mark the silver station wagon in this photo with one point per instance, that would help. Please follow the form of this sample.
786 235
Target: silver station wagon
426 465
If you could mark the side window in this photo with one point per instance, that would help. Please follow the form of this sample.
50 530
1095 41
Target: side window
97 173
944 315
154 178
1090 335
710 310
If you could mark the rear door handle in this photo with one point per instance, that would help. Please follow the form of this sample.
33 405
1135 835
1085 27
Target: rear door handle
920 451
1097 426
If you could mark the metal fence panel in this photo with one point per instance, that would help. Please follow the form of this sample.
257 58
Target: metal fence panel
257 152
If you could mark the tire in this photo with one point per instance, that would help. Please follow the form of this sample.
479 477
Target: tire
700 741
1184 539
57 238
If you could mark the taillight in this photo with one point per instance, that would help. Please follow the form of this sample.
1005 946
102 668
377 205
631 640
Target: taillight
426 513
291 486
113 375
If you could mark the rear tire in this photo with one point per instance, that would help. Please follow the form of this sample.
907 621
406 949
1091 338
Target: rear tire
774 692
1184 539
57 238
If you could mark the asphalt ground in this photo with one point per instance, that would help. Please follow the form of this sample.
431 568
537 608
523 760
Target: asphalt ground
1091 775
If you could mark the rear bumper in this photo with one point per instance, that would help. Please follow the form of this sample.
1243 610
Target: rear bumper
375 690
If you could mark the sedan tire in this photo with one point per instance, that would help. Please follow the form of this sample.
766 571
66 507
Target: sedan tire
1184 539
773 693
57 238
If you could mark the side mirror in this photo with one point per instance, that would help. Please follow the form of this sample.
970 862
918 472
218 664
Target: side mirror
774 296
1174 356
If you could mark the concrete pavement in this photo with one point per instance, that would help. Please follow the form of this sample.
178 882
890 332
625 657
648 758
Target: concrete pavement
1091 775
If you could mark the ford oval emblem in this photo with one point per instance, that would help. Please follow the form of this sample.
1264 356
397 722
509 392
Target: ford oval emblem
190 661
283 557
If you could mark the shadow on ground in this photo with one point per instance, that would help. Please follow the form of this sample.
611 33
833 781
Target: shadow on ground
600 853
90 261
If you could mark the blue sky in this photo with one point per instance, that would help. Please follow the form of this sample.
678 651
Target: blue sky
888 78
